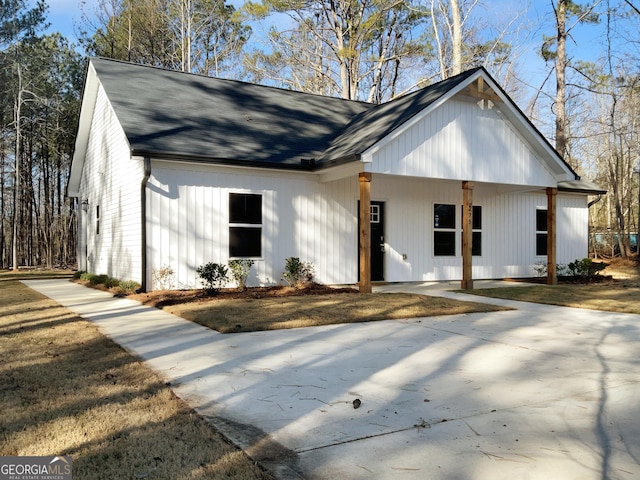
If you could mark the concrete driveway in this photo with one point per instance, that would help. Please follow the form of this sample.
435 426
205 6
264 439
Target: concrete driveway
540 392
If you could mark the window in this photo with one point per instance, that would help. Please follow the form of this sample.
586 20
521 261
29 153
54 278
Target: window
375 213
476 240
444 233
97 219
245 225
541 231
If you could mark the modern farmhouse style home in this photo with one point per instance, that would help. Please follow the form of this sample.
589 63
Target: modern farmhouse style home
451 182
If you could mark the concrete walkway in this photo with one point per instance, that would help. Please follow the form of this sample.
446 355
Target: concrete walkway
540 392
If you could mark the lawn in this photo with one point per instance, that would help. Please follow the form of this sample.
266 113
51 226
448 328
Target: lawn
279 308
621 293
65 389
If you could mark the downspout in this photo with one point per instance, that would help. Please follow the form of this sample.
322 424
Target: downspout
593 202
143 222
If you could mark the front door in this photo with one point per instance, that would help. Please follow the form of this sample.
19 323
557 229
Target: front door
377 241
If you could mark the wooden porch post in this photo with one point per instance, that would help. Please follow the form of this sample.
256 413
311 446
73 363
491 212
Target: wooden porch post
365 232
467 235
552 274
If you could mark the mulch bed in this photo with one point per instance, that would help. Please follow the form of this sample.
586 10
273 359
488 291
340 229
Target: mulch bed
163 298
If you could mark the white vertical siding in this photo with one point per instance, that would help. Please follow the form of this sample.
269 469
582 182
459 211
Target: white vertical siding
508 229
111 180
188 224
188 221
461 141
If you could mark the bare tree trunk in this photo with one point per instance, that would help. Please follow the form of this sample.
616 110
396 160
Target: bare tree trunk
456 43
561 83
16 173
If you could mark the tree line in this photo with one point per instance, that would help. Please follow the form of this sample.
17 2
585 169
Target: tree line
370 50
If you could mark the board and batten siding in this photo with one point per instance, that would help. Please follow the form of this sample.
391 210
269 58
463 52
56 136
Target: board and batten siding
111 182
188 226
508 229
460 141
188 221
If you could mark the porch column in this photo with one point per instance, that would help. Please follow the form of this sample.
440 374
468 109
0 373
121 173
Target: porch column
552 274
365 232
467 235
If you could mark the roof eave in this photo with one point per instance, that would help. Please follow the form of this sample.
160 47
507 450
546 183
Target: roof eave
581 186
89 96
305 165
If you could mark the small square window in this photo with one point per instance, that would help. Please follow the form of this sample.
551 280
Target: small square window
444 216
245 241
541 220
444 244
245 208
375 214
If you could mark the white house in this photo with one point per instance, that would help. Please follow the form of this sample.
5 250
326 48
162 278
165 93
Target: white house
177 170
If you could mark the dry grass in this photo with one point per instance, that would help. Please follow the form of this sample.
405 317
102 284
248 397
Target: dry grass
244 315
66 389
619 294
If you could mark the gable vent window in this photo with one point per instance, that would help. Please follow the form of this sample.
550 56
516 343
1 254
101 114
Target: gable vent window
444 233
245 225
541 232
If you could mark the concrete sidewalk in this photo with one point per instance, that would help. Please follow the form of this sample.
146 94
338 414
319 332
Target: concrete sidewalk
540 392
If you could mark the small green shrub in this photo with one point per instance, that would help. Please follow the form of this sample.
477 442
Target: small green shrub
77 275
240 271
86 276
585 268
111 282
296 272
128 287
98 279
213 275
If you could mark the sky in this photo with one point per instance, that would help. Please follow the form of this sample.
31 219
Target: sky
63 15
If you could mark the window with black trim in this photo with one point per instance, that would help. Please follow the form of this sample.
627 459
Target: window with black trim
245 225
444 230
541 231
476 234
97 219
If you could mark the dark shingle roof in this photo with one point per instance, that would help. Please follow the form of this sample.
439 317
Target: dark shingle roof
179 115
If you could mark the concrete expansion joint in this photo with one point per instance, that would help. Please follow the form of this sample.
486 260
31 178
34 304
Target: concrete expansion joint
418 426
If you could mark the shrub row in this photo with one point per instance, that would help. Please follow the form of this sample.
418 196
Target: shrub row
214 276
585 268
126 287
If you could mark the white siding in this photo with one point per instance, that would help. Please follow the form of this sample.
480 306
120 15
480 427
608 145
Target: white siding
188 221
188 224
111 180
508 230
461 141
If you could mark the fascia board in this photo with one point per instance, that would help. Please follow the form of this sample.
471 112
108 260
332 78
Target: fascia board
532 134
90 94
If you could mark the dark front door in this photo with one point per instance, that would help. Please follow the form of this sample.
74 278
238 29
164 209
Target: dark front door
377 242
